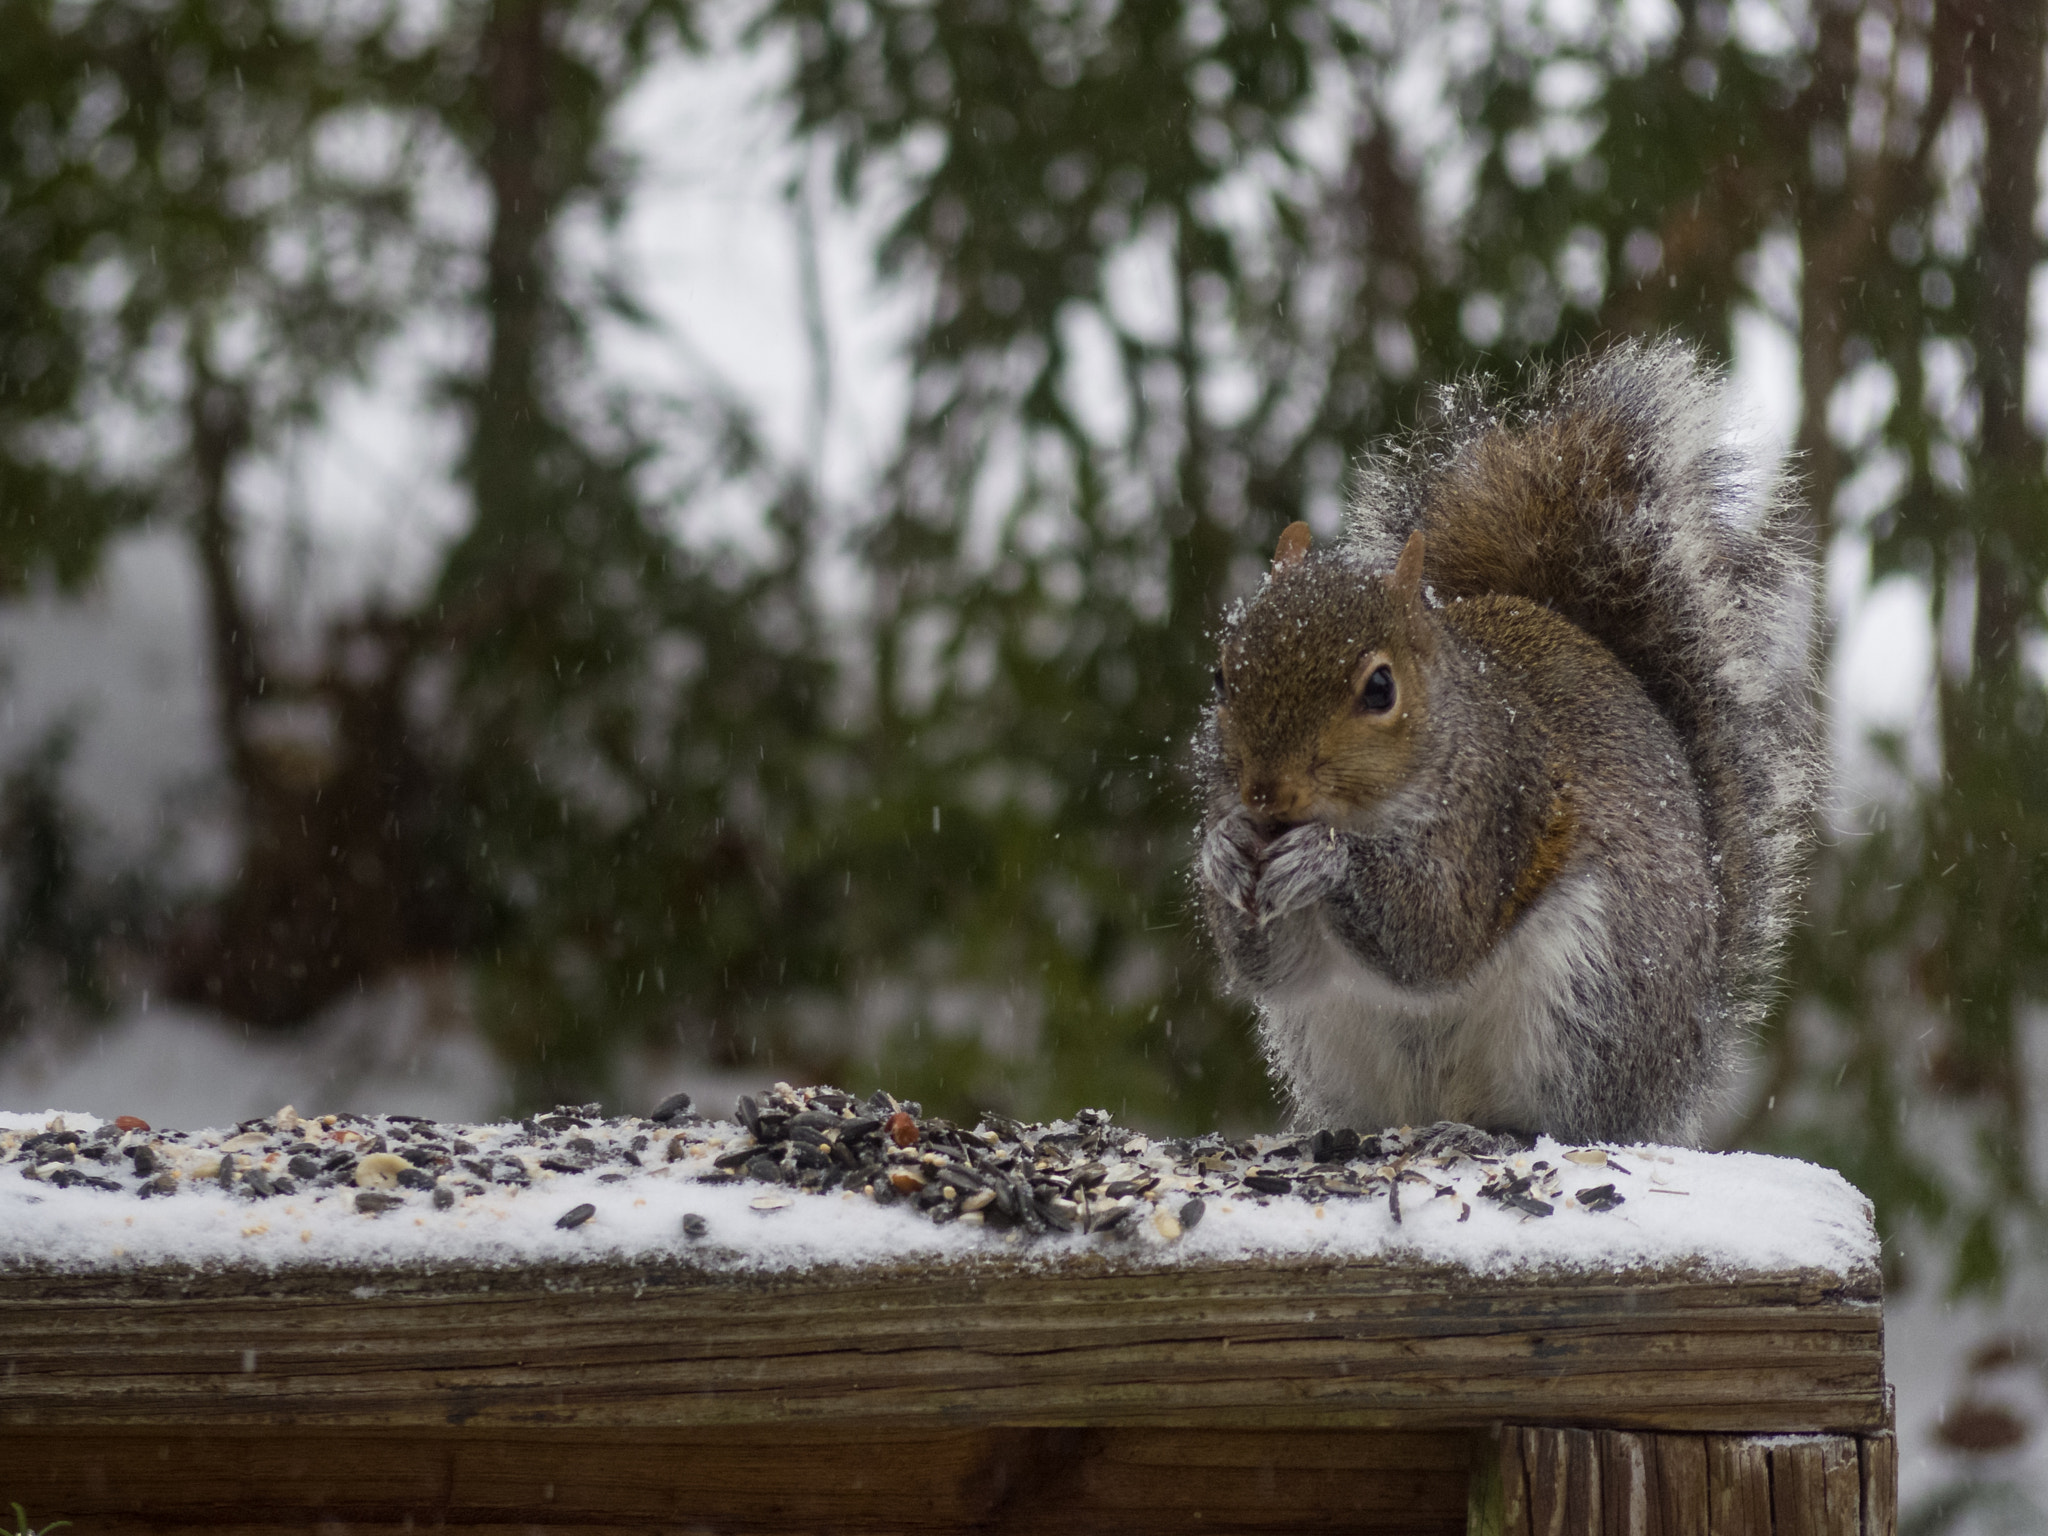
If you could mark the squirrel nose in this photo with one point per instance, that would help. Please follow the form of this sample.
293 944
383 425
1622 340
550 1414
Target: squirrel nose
1272 801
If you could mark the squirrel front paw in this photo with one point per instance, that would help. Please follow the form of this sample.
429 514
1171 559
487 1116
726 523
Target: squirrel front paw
1302 866
1230 859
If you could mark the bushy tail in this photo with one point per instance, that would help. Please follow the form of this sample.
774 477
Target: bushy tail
1613 494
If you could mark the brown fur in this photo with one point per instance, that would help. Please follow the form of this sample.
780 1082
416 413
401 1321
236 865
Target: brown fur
1553 850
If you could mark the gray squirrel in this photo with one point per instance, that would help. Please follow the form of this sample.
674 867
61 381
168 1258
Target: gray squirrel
1506 793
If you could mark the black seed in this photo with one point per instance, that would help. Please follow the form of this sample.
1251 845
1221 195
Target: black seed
1267 1183
693 1224
1109 1217
1602 1197
258 1183
144 1159
415 1178
558 1162
674 1107
765 1168
571 1220
1191 1214
370 1202
1528 1203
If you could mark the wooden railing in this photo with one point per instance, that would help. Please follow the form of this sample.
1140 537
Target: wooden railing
1084 1392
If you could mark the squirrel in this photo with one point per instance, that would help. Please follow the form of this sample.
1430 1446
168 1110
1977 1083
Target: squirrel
1507 793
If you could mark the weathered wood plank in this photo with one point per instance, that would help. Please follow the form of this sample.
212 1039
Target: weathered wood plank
1564 1468
1738 1487
1799 1495
1625 1468
1527 1482
1680 1501
1839 1480
1284 1345
1879 1463
1017 1482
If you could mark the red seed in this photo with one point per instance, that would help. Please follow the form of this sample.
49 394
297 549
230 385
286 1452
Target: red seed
130 1123
902 1129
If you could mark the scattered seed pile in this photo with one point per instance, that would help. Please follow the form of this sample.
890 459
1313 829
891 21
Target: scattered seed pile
1083 1176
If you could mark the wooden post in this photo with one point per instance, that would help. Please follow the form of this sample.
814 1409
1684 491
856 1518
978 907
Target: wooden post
1533 1480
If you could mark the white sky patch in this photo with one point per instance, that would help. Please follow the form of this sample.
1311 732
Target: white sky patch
1093 383
361 508
714 244
1138 282
121 664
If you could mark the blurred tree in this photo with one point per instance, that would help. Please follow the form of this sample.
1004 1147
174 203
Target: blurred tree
1180 261
54 919
632 722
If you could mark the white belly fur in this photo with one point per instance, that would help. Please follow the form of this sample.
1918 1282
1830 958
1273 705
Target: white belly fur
1356 1049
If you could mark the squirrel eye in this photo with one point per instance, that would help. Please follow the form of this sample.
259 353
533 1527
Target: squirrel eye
1222 693
1377 696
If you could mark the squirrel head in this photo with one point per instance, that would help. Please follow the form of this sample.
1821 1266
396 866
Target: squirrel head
1322 690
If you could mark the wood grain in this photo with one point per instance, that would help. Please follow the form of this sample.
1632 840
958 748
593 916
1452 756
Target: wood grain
1017 1482
1298 1345
1625 1468
1799 1496
1839 1479
1878 1456
1738 1487
1680 1496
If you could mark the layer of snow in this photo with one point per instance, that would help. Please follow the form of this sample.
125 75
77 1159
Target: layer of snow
1716 1212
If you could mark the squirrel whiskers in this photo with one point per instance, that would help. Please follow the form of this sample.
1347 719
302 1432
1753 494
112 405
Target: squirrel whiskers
1507 793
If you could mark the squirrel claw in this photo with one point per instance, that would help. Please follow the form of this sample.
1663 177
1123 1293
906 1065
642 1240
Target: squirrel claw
1229 862
1302 867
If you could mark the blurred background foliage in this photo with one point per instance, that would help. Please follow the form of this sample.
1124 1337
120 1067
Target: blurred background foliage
895 793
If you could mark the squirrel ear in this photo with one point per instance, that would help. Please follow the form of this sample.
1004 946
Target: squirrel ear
1407 579
1293 546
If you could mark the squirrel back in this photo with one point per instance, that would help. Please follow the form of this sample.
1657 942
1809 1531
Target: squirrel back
1612 495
